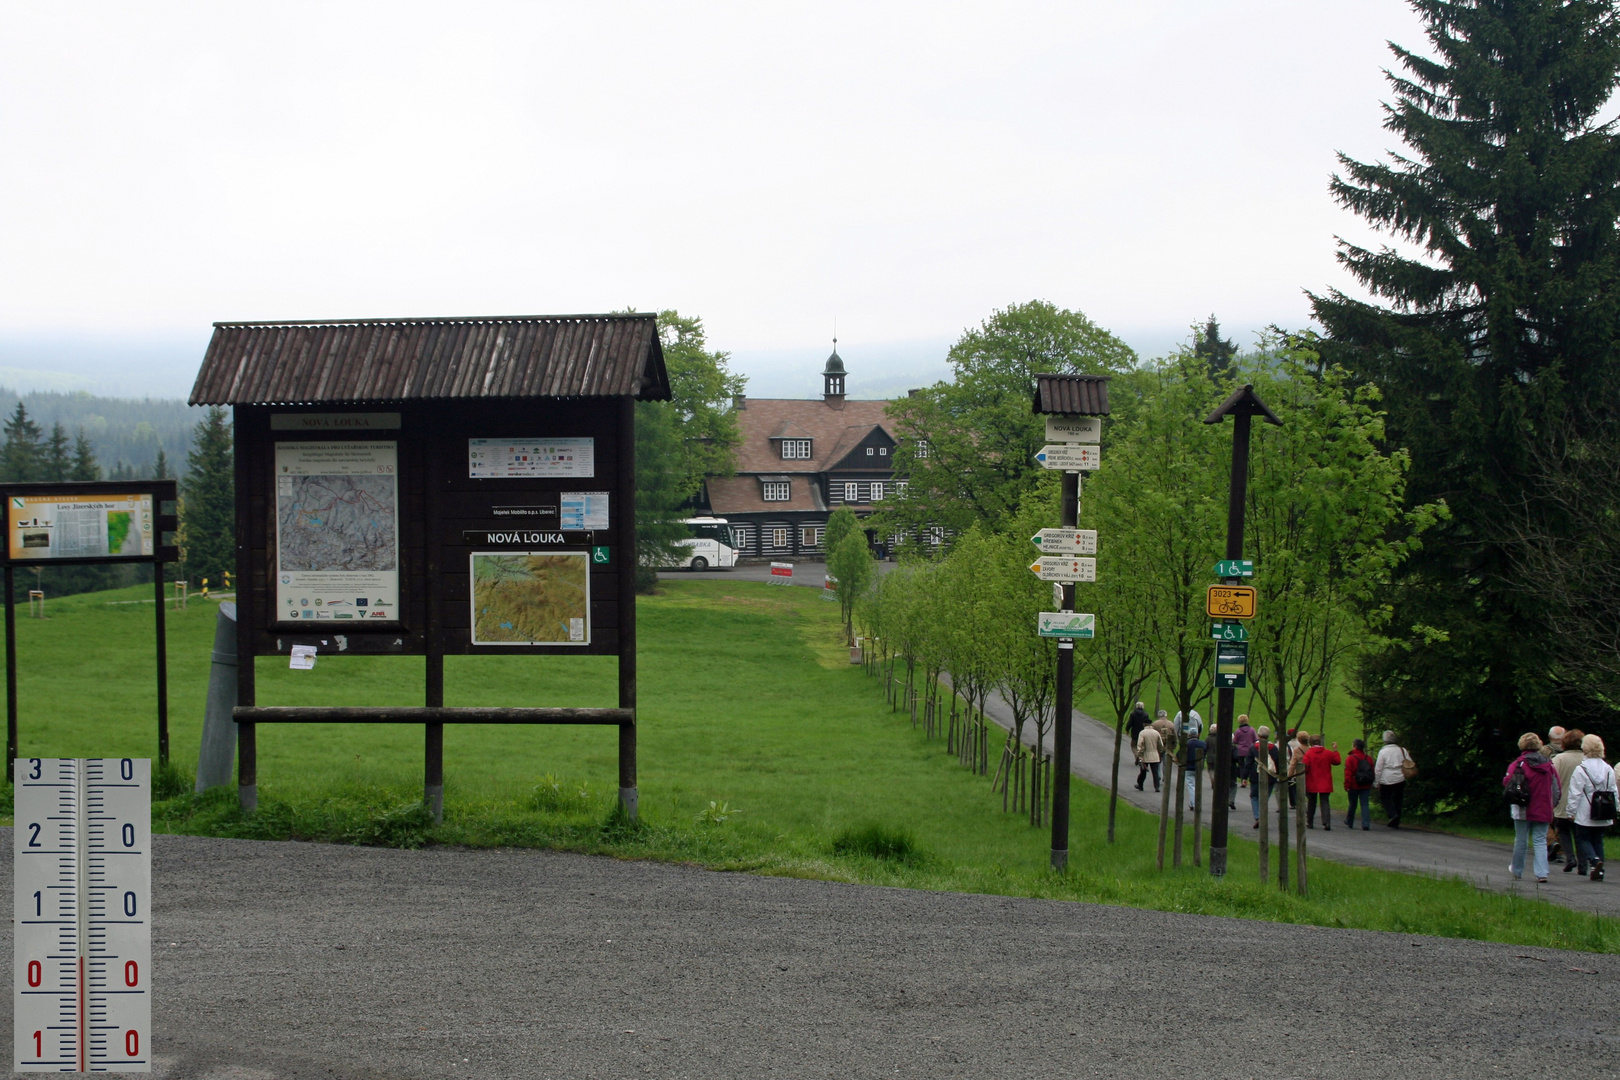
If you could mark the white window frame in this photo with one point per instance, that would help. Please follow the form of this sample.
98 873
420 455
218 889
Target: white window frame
900 488
852 491
810 536
796 449
870 451
781 536
936 534
776 490
883 451
877 491
919 448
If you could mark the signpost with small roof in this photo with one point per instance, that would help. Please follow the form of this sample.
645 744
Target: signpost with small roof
435 487
1074 406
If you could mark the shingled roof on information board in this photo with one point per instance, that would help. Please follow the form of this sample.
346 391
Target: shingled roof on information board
1072 395
285 363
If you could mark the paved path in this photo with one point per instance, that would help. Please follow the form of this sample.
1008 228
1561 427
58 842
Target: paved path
1419 851
805 572
283 960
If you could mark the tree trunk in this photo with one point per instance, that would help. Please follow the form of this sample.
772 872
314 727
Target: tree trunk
1113 778
1262 780
1166 778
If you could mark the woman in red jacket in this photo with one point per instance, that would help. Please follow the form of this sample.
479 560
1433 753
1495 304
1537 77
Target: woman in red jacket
1358 784
1319 762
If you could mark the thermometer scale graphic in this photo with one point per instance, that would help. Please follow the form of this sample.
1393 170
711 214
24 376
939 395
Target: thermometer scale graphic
82 915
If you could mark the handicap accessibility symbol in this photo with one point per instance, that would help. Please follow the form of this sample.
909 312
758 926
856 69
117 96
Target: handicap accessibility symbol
599 556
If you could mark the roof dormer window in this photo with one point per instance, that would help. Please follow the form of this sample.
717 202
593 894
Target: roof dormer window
796 449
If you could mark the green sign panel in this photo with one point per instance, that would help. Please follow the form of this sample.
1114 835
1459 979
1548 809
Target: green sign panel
1228 631
601 555
1232 665
1234 568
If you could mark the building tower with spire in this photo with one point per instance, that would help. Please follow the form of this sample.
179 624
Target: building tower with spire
832 379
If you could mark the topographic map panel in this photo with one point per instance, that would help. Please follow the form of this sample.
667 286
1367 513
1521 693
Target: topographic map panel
336 523
530 598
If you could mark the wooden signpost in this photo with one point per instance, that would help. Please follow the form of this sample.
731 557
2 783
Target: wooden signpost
435 487
1074 406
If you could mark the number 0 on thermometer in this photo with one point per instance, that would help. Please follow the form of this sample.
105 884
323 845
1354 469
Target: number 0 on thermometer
82 915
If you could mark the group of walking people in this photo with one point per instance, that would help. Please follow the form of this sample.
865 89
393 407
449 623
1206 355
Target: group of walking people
1561 787
1562 793
1303 755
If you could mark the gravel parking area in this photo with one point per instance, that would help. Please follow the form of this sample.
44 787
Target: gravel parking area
277 960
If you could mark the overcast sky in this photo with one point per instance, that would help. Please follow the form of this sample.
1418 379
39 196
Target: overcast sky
905 169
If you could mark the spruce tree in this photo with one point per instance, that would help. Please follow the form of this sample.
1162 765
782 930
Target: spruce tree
160 467
207 501
56 461
1493 317
84 459
20 454
1216 354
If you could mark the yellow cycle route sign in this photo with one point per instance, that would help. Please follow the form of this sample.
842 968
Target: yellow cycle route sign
1231 601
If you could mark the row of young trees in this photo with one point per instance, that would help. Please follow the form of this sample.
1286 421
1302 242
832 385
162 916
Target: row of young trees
1328 525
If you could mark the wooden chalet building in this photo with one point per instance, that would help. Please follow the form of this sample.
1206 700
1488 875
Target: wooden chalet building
799 460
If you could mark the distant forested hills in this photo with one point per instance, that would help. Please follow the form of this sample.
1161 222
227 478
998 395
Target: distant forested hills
124 431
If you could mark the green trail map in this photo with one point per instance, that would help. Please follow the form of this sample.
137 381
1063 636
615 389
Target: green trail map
530 599
118 532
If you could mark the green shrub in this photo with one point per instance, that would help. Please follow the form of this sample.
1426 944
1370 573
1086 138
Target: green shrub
875 841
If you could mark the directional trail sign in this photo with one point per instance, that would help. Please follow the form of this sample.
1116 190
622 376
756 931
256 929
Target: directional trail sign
1071 457
1234 568
1230 601
1228 631
83 899
1049 568
1065 624
1066 541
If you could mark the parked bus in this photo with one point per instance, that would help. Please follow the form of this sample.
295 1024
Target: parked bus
710 546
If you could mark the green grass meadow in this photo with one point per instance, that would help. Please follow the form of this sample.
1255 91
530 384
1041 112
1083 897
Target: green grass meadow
761 749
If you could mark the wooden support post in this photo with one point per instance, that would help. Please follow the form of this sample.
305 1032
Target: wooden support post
1262 782
247 621
162 665
11 671
625 496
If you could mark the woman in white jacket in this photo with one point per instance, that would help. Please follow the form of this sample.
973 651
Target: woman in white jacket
1592 775
1390 779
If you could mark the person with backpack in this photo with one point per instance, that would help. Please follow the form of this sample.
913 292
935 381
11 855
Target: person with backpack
1593 799
1138 720
1389 776
1358 784
1319 762
1531 784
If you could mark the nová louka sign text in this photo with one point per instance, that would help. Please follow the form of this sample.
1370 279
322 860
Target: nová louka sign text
1075 429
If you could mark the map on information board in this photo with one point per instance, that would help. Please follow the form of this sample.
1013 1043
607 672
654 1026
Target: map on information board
531 598
337 531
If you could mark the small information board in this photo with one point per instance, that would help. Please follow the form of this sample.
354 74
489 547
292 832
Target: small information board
781 573
1065 624
1230 602
1234 568
1228 631
1231 665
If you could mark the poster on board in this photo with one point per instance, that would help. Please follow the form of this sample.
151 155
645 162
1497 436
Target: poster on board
337 531
527 459
531 597
89 526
